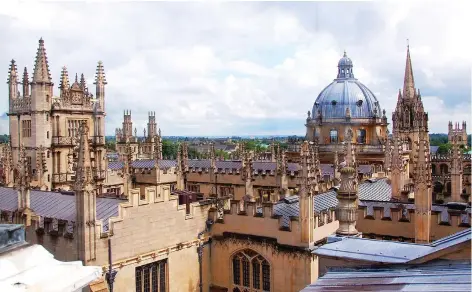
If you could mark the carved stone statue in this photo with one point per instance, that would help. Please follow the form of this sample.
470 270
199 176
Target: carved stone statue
70 162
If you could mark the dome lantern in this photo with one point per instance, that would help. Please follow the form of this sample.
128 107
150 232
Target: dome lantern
345 67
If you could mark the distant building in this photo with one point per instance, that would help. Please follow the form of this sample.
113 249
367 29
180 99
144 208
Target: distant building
459 132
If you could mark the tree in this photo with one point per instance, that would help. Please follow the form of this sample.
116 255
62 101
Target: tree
444 148
169 149
110 145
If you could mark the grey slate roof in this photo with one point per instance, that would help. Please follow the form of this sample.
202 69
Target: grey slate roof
326 169
370 190
57 205
433 149
380 251
434 276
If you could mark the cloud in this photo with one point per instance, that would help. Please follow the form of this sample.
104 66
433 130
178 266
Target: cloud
244 68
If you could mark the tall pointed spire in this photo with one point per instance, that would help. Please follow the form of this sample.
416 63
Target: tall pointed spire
25 83
409 81
41 67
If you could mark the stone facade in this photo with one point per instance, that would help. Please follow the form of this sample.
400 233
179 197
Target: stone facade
47 125
216 225
147 147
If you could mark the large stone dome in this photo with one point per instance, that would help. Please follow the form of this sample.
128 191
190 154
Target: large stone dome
346 92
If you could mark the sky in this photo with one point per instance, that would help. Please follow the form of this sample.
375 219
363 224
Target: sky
246 68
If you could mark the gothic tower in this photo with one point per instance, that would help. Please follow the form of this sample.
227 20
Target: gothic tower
127 125
152 125
458 133
456 169
409 118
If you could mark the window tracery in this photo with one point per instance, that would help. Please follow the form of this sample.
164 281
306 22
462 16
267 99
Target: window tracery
251 272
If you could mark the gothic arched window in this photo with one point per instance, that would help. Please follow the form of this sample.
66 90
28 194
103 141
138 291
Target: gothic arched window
251 272
333 136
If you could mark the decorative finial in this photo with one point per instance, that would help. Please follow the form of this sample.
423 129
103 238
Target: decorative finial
408 43
344 55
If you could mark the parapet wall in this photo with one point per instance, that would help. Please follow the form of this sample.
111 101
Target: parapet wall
270 220
397 220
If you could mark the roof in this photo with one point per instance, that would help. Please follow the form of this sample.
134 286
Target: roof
346 92
381 251
435 276
375 190
433 149
33 268
326 169
57 205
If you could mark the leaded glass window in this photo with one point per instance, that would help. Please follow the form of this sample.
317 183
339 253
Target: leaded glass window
254 270
152 277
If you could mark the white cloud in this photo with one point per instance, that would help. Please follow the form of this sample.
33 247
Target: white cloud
244 68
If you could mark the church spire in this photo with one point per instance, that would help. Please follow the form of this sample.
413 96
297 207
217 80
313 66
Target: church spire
41 67
409 81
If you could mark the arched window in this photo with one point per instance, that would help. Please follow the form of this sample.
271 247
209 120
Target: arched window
333 136
361 136
251 272
444 169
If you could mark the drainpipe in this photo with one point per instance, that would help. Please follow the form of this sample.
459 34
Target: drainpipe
208 225
200 256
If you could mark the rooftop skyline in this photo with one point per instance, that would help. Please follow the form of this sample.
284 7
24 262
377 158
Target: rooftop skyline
224 69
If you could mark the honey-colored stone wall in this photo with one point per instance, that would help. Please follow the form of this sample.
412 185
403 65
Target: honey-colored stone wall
289 272
396 228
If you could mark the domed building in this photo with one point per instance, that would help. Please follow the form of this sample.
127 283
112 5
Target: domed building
343 104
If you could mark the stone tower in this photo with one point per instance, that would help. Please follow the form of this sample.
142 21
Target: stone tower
456 168
29 114
127 130
457 133
48 125
409 117
152 125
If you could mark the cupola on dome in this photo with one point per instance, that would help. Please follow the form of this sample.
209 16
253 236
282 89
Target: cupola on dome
346 94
